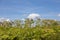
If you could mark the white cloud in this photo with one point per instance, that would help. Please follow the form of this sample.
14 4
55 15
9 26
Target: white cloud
58 14
33 16
4 19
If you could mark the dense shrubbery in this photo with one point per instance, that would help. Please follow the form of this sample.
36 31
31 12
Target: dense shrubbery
35 33
44 32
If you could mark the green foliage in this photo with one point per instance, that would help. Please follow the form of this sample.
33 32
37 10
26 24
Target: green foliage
35 33
30 33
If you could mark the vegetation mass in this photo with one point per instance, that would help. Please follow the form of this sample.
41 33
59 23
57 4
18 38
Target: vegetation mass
30 29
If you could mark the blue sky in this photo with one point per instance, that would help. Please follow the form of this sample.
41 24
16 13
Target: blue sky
18 9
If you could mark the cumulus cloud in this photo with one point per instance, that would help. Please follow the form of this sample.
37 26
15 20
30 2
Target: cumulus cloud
33 16
58 14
